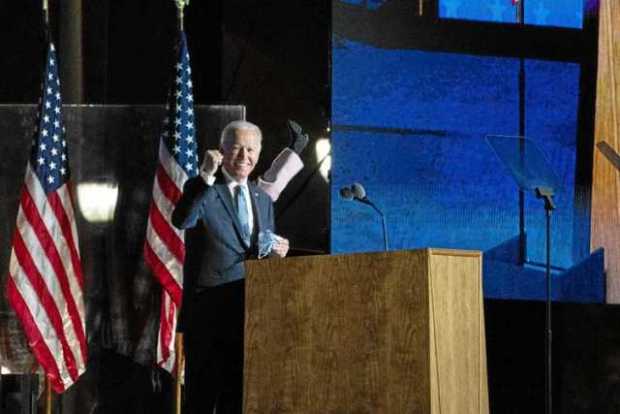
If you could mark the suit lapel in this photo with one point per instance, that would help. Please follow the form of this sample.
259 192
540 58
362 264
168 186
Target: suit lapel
226 198
258 222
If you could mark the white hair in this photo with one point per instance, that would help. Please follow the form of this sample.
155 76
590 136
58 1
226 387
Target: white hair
228 132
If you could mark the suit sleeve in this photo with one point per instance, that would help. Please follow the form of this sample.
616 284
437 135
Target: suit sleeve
189 208
286 166
270 216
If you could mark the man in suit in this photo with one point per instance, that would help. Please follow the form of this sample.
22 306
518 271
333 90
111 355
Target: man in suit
232 213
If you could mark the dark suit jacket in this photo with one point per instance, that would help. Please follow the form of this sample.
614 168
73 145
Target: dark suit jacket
222 249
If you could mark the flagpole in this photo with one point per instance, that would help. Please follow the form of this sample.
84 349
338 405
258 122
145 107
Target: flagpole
180 362
48 384
179 356
180 17
48 395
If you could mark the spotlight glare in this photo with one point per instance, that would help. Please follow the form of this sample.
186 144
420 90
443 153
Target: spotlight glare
97 201
323 149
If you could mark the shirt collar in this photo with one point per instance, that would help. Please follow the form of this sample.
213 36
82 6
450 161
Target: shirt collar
233 182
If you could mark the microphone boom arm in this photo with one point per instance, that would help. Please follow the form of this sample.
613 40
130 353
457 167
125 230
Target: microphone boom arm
365 200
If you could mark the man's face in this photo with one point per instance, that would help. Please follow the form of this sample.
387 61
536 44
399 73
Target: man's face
241 153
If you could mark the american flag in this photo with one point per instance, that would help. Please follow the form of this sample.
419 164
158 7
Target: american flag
164 248
45 284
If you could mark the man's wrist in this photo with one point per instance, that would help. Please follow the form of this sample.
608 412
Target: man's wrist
209 179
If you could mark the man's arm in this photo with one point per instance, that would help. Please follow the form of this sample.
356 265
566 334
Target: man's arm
286 165
188 209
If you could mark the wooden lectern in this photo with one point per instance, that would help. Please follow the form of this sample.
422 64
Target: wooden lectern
397 332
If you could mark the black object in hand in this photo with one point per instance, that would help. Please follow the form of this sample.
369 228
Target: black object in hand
299 140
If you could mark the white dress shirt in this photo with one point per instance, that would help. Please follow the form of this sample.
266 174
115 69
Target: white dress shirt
232 183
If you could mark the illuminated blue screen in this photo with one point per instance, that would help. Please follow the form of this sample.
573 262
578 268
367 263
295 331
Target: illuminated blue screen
411 126
559 13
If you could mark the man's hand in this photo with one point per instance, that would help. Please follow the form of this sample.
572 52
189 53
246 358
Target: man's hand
280 248
210 163
298 139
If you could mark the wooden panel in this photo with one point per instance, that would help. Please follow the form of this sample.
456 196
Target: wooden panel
606 178
352 330
457 340
399 332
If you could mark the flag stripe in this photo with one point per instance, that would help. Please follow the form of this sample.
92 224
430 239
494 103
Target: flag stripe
52 217
65 224
39 347
174 267
166 233
167 186
74 269
29 296
66 196
166 207
47 244
174 171
165 332
163 275
166 353
46 298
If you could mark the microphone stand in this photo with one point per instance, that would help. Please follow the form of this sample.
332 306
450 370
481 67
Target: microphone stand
365 200
546 194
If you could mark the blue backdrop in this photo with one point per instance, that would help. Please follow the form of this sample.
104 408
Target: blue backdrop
559 13
411 126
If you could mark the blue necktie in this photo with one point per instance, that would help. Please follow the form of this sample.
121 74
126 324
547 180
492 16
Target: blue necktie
242 213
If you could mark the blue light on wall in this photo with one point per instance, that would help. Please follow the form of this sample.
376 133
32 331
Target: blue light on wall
558 13
369 4
411 126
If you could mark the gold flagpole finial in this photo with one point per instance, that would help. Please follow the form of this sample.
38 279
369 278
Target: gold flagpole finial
180 7
46 13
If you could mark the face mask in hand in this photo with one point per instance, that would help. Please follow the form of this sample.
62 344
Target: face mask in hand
266 241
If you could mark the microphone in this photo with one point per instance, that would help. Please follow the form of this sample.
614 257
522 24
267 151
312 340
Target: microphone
346 193
357 192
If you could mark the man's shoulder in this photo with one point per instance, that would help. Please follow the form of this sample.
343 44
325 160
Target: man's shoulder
195 188
257 191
